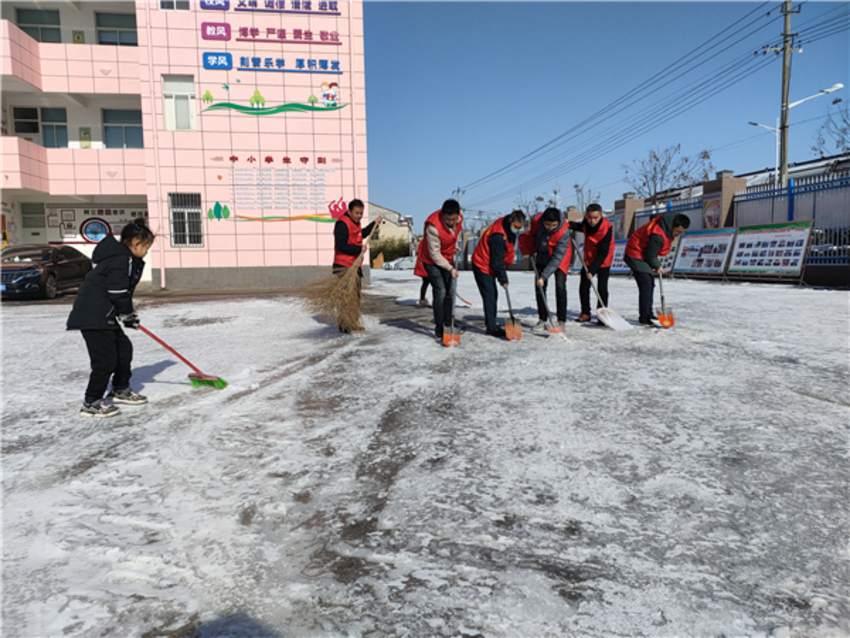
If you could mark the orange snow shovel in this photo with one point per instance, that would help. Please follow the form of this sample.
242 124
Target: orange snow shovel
513 328
665 313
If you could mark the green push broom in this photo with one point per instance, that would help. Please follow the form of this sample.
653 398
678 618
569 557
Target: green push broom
198 379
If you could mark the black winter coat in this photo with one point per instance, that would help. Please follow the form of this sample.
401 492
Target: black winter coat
108 289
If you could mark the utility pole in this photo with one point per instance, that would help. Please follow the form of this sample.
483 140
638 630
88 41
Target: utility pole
786 83
457 193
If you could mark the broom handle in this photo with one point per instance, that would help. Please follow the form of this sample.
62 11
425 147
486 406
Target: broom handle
359 259
169 348
583 265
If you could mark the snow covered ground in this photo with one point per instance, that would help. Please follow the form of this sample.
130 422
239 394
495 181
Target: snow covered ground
685 482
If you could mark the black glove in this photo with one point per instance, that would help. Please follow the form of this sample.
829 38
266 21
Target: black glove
130 321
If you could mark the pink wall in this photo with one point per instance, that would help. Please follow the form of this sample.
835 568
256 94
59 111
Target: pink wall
69 171
282 170
266 167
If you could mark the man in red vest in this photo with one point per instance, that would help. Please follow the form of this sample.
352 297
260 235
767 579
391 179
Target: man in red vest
494 251
348 237
348 240
434 261
548 243
598 257
645 246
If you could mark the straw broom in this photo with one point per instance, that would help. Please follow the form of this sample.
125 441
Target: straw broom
336 298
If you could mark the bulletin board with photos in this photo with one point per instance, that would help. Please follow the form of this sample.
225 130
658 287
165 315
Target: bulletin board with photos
704 252
772 250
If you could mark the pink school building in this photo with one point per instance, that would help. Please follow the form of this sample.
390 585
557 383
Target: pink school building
236 127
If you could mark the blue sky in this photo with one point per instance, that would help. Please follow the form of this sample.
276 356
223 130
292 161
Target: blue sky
458 90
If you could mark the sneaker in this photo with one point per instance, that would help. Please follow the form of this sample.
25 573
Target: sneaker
127 396
498 331
423 303
651 322
98 410
540 325
582 318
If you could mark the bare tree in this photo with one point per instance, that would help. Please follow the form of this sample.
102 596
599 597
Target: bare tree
665 170
833 136
529 206
585 196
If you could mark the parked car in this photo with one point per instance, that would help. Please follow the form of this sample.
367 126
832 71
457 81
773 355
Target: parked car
402 263
32 270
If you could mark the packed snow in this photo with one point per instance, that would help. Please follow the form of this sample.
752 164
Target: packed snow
686 482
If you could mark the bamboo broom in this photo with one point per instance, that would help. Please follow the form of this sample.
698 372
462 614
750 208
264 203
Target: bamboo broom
336 298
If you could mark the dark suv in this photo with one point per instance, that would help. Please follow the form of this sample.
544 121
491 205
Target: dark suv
41 270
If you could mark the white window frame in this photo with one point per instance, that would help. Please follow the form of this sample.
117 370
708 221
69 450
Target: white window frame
173 96
186 220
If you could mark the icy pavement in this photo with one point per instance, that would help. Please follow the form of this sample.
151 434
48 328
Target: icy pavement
687 482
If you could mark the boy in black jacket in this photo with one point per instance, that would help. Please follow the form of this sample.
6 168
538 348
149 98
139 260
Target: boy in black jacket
104 300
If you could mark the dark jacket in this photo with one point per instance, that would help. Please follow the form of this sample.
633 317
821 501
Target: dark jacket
341 238
548 265
650 261
603 247
498 247
108 289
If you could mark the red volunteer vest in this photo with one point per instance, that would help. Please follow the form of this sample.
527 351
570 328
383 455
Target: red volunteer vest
481 254
527 245
636 246
448 241
591 242
355 238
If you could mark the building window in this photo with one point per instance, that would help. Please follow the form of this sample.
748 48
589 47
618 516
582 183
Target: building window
185 213
117 29
54 128
122 128
40 25
32 215
26 121
174 5
178 92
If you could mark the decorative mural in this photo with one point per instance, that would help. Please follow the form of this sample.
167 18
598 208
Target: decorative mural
257 103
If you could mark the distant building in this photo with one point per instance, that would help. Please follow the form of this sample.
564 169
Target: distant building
393 225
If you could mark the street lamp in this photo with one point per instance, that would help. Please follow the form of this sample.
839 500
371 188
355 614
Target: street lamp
783 131
775 132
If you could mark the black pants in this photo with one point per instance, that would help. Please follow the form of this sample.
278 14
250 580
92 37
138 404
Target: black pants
560 295
441 283
646 289
601 285
489 295
424 288
111 354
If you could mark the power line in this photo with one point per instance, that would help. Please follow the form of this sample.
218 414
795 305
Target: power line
642 88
